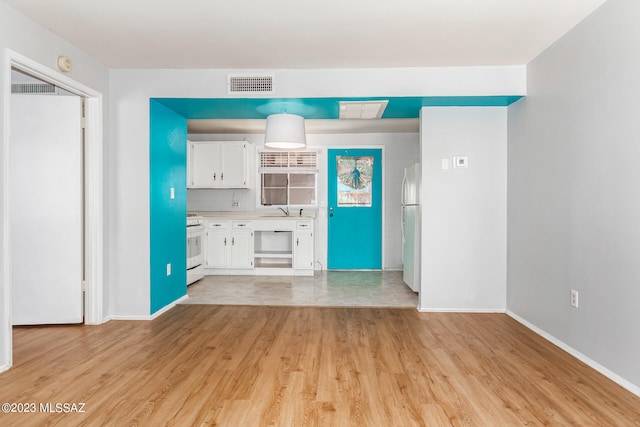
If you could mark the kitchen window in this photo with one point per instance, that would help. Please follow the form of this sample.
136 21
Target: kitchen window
288 178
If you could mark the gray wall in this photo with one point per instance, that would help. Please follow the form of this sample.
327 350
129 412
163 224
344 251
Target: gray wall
573 197
464 211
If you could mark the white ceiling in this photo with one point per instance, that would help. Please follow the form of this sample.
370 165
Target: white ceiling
306 33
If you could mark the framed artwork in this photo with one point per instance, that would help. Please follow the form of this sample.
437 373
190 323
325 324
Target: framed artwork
355 175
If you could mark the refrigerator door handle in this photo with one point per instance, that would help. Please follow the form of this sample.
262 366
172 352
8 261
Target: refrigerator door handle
404 189
402 220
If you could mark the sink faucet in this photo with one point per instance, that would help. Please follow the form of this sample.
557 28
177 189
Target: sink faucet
285 210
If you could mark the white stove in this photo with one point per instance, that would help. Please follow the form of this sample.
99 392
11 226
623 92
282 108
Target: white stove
193 219
195 255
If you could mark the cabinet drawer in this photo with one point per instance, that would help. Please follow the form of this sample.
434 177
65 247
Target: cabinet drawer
242 225
304 225
217 225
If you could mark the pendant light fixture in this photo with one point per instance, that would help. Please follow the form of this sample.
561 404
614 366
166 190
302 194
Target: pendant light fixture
285 131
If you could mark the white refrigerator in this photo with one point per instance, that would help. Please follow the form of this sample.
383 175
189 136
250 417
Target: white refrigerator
411 227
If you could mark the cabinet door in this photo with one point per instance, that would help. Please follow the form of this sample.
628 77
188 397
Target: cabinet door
303 250
217 248
234 165
242 249
204 164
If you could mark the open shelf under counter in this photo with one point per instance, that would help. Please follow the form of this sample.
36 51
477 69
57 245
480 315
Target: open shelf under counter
276 245
273 254
263 265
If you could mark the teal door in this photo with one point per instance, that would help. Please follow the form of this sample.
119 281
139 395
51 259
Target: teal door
354 209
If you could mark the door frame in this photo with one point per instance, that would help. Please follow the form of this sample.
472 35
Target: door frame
93 193
326 195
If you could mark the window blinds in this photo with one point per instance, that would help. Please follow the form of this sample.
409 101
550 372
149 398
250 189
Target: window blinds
288 161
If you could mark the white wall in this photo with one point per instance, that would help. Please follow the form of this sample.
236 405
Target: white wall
464 210
400 150
23 36
574 204
130 93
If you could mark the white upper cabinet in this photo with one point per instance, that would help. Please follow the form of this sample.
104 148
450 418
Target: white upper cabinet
218 164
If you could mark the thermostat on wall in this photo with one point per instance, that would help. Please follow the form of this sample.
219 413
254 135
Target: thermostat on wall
460 161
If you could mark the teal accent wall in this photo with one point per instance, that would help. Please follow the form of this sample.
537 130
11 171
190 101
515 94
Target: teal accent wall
167 165
405 107
168 235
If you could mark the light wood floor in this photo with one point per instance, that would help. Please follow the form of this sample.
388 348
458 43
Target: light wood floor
297 366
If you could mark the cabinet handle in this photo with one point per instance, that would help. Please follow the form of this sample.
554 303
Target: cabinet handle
233 240
242 225
214 176
297 242
221 176
225 241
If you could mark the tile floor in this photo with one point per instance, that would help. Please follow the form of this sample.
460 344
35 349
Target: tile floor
327 289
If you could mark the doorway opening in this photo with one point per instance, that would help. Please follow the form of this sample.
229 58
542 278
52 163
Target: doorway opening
355 201
92 204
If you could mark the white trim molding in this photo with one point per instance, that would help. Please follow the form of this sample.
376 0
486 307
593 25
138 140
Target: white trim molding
461 310
6 336
575 353
150 316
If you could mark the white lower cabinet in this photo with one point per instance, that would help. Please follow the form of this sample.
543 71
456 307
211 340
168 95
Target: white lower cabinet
215 250
282 246
303 246
228 244
241 247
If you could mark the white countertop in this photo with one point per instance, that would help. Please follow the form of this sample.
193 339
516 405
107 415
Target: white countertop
270 215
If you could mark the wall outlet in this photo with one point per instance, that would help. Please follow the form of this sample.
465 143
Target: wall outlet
172 193
168 269
236 204
574 298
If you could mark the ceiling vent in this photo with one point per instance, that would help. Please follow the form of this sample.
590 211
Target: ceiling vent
239 84
362 109
33 89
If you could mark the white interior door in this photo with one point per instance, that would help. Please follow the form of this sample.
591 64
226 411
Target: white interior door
46 209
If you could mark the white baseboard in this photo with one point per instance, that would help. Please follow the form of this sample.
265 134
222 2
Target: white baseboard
4 368
461 310
128 317
575 353
150 316
169 306
101 322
